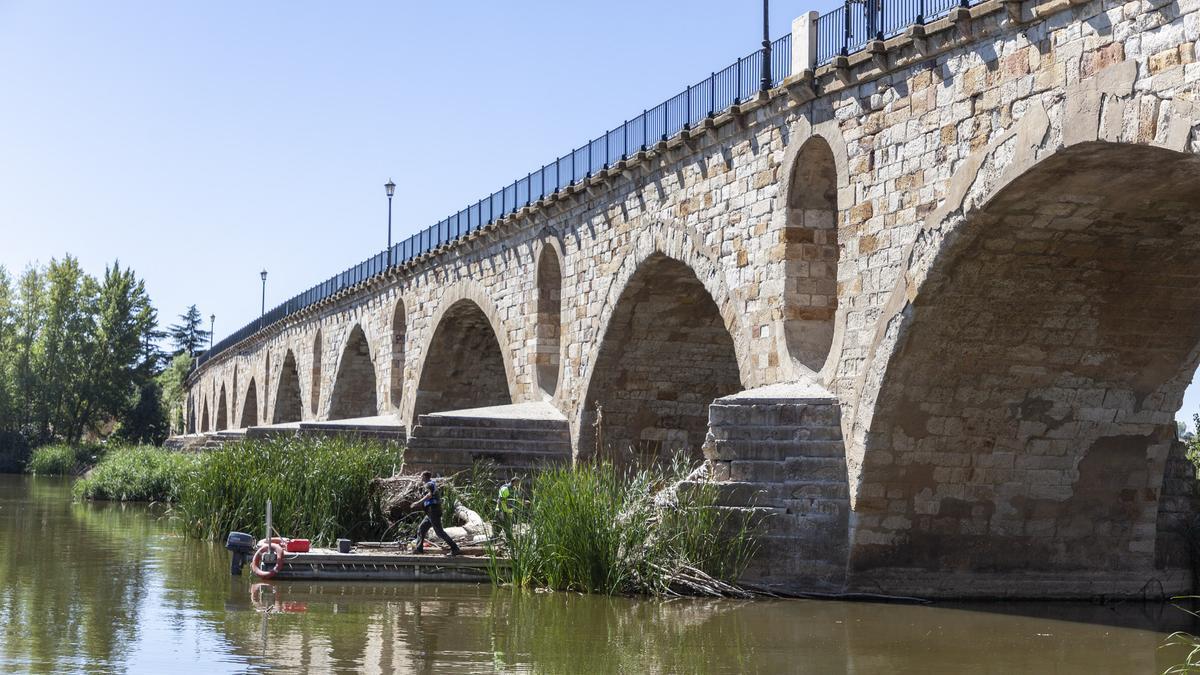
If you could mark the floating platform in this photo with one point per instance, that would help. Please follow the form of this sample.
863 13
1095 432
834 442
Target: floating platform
382 565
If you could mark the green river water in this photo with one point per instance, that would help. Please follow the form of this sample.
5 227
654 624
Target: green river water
113 588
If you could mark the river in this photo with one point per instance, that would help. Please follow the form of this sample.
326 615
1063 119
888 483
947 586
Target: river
113 588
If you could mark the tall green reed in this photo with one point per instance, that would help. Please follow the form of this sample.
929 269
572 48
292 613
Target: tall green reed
593 527
320 488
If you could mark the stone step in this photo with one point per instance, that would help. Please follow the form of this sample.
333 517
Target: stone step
490 422
770 494
749 413
773 450
788 470
492 433
738 432
490 444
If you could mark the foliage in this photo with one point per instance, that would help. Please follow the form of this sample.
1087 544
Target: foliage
594 528
137 474
171 383
60 459
146 421
319 488
76 354
188 336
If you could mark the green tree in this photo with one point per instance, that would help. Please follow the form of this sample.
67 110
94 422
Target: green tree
188 336
172 383
8 412
122 365
28 317
66 348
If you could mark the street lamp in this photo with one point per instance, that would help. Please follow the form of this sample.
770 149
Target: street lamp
391 190
765 84
262 312
212 324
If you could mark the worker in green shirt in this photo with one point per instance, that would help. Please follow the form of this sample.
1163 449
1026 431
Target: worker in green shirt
506 501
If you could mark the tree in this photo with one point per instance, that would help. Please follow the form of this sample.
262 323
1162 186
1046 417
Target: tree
188 336
65 348
172 383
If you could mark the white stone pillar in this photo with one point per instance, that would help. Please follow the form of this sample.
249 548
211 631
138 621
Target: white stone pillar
804 42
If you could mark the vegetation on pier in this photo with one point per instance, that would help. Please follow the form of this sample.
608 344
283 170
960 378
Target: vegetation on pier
597 528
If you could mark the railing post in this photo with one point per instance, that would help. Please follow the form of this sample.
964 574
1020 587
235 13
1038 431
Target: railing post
846 32
712 94
804 42
645 124
765 83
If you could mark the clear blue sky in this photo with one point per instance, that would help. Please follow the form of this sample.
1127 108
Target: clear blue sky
201 142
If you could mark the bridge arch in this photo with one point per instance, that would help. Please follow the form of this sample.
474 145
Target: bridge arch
288 404
204 428
399 338
666 352
467 362
547 357
249 416
222 411
1030 368
354 389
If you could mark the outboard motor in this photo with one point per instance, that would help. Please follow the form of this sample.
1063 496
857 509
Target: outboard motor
241 548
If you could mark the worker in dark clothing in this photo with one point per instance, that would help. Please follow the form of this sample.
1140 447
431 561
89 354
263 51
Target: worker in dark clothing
432 504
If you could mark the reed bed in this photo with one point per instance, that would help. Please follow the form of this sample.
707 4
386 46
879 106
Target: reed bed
136 474
595 528
60 459
320 488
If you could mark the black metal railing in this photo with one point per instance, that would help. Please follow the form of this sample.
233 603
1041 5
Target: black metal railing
849 28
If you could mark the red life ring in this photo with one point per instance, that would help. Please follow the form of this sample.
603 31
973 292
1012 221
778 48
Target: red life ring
254 562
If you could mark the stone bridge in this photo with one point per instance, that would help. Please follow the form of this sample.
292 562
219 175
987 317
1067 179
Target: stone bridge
932 306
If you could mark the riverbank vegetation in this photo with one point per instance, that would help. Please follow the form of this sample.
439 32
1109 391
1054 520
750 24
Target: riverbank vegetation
593 527
320 489
80 359
60 459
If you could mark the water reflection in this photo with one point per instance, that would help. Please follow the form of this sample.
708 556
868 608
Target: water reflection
111 589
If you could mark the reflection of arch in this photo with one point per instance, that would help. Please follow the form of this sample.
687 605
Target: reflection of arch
249 407
222 412
464 364
314 395
399 335
288 407
666 354
547 358
354 384
1032 370
810 237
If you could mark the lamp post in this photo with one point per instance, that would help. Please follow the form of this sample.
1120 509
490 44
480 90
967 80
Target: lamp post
212 324
765 84
262 312
391 190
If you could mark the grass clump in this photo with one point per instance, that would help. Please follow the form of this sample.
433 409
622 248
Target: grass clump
137 474
595 528
320 488
60 459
